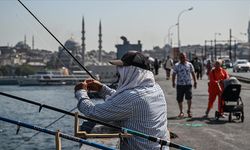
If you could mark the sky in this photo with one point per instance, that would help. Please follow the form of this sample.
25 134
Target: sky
149 21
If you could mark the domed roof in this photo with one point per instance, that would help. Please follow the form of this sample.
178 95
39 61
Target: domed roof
71 44
22 45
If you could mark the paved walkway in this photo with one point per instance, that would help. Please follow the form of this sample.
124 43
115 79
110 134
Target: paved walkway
205 134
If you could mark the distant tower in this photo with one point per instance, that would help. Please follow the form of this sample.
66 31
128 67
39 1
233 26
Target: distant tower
83 40
25 40
248 31
100 42
33 42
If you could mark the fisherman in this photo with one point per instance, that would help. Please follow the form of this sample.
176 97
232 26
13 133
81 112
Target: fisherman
138 103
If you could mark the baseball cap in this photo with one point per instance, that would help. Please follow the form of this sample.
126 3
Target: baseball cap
132 58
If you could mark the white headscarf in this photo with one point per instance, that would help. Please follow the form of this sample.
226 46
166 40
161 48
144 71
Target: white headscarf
132 77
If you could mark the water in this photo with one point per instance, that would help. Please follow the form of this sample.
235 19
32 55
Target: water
57 96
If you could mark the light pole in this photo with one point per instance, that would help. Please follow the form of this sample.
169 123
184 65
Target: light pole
178 24
169 34
169 40
215 53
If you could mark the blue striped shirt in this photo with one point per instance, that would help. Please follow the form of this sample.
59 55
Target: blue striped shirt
143 109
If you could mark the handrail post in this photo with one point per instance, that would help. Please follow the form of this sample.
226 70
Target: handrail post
58 140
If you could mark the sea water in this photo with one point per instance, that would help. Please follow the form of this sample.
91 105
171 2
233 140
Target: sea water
57 96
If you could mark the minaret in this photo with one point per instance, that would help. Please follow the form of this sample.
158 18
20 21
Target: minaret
100 42
24 41
83 41
33 42
248 31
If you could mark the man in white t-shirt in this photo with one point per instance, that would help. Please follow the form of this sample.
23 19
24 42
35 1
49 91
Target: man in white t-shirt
168 65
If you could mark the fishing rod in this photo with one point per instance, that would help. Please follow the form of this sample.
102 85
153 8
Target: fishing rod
57 40
63 135
122 129
151 138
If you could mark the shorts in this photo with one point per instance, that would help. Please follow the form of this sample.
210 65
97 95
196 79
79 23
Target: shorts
184 90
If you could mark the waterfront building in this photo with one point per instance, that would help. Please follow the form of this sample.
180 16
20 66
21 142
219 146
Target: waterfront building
126 46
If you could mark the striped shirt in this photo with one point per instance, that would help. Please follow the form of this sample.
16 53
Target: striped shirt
142 109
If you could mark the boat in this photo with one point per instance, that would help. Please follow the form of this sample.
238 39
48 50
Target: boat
53 78
8 80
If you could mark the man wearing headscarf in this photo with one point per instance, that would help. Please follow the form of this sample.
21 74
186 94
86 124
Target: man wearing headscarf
216 76
138 103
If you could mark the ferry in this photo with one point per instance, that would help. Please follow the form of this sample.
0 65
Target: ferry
53 78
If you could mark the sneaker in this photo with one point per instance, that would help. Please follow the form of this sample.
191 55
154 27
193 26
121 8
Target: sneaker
222 116
181 115
205 116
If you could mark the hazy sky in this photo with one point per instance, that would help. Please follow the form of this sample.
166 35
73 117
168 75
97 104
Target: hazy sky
145 20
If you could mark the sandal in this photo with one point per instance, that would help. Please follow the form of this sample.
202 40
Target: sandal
189 114
181 115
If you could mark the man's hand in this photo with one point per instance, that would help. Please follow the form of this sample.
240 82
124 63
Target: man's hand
173 84
89 85
195 85
82 85
93 85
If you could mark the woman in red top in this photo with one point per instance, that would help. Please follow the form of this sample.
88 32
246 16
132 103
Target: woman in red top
216 75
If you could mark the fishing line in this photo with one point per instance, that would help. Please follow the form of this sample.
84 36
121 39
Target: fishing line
21 19
57 40
25 141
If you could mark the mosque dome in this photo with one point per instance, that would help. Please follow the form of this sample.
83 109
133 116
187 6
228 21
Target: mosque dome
22 45
72 44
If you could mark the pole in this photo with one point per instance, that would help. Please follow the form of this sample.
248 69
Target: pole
230 46
215 49
212 55
205 50
178 26
215 54
235 54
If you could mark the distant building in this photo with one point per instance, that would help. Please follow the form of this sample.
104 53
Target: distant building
7 50
126 46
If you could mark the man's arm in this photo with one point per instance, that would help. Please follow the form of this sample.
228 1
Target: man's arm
194 78
173 80
119 108
106 92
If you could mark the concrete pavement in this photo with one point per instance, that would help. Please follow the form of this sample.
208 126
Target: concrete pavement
201 133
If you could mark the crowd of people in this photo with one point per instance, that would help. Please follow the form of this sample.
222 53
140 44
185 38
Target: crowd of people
139 103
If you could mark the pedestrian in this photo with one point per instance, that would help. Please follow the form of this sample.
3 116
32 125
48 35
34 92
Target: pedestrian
138 103
183 70
156 66
209 67
168 65
216 77
197 68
